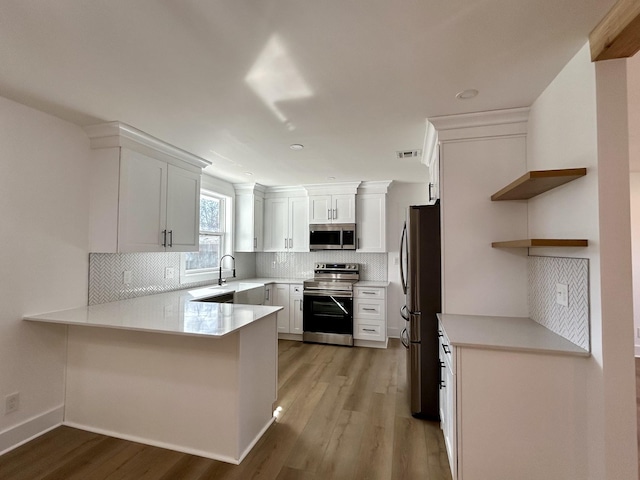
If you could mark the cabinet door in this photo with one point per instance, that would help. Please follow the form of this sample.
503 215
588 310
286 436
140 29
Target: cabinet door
344 208
276 224
298 238
372 224
183 210
320 209
281 299
434 177
295 319
258 224
142 204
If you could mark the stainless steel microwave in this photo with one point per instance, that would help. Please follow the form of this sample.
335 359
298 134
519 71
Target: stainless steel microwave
332 236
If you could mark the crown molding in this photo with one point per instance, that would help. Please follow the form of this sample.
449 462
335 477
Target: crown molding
346 188
375 187
118 134
493 123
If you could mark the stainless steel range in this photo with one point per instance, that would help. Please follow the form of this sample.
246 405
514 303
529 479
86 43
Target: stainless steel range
328 304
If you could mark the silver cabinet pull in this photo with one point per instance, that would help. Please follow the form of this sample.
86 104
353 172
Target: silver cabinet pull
285 243
300 305
335 213
329 214
368 329
267 291
369 293
291 243
164 238
431 196
255 242
171 238
369 309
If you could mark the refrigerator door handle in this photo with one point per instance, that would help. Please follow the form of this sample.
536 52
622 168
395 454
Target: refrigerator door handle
403 253
404 313
404 338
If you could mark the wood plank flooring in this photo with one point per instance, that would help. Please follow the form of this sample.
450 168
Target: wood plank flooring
344 415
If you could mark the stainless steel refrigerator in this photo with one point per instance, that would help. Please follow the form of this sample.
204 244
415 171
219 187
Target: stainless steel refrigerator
420 272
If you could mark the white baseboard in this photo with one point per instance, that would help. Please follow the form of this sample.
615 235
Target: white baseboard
32 428
393 332
255 440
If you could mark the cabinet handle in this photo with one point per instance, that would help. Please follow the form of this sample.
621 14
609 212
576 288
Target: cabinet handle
368 330
255 242
171 238
335 213
285 243
329 214
164 238
431 197
291 243
369 309
300 305
268 294
368 293
358 246
446 348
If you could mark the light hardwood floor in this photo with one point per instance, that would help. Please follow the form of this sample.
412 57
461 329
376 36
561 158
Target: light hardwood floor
344 414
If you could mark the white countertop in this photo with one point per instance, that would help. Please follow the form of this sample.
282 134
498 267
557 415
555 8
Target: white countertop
505 333
172 312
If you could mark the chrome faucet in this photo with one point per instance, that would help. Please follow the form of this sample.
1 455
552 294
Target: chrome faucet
234 268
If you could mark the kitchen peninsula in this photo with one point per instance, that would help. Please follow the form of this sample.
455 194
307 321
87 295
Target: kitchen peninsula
171 371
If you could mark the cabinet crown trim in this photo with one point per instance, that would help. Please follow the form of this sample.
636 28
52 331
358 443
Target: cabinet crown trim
118 134
347 188
375 187
481 119
249 188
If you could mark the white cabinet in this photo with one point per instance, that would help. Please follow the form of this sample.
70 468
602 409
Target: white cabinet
268 294
286 225
371 229
295 313
369 317
339 208
290 317
431 159
249 218
448 398
434 178
281 299
144 193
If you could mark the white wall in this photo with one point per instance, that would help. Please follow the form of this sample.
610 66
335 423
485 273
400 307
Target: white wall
564 130
633 86
44 258
400 196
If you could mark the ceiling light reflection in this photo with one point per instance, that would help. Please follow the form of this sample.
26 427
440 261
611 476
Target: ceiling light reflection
275 78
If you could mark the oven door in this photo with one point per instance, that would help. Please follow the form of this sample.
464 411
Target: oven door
328 313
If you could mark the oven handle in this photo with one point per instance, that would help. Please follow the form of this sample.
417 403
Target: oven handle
325 293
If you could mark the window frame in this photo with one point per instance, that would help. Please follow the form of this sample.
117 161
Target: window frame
210 274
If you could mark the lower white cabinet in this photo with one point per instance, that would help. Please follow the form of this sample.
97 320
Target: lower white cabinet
508 414
369 317
288 296
268 295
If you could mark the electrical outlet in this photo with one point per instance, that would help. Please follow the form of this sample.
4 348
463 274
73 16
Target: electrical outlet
127 277
11 403
562 294
168 273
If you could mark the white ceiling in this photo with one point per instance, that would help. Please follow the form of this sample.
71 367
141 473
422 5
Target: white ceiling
237 81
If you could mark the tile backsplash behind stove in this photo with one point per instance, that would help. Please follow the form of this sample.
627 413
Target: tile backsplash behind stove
373 266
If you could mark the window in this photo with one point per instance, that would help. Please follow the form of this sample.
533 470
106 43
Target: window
214 228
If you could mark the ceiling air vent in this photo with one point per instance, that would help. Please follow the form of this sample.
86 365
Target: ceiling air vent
408 154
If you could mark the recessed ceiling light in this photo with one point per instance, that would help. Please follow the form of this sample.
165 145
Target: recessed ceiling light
248 174
467 94
331 178
296 146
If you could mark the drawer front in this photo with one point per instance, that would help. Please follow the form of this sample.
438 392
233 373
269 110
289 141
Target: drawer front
369 292
368 331
296 290
369 309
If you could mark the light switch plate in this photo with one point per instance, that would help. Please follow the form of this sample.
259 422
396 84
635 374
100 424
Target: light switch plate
562 294
168 273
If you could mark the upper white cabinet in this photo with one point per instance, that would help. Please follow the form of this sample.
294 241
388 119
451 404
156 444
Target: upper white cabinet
249 218
286 221
332 208
145 194
332 203
431 159
371 229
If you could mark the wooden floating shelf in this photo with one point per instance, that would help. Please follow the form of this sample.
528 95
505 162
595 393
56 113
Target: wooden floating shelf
541 242
536 182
